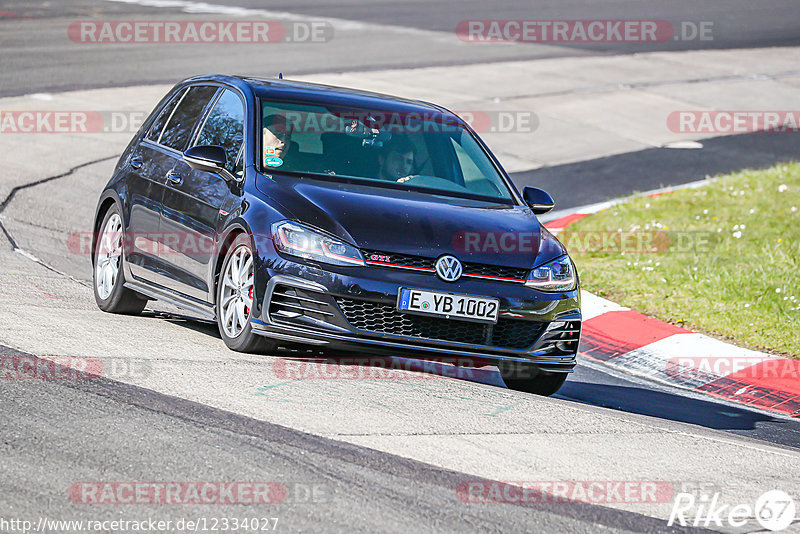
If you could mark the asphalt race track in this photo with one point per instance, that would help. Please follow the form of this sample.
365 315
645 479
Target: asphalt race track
378 34
353 455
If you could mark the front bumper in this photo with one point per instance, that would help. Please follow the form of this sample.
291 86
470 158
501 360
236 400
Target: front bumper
354 310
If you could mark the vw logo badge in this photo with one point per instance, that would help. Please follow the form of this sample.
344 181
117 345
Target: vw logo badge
448 268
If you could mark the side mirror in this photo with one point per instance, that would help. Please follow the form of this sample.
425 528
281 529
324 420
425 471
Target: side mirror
207 158
539 201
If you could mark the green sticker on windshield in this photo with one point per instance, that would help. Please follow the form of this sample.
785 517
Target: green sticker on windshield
273 161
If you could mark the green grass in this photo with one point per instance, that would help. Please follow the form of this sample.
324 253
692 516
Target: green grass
743 289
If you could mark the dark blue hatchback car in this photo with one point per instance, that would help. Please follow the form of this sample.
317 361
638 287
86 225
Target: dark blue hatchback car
301 214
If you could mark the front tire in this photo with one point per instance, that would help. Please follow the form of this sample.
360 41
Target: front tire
235 295
108 278
529 378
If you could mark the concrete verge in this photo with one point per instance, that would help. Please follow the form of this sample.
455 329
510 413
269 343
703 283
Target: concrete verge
642 345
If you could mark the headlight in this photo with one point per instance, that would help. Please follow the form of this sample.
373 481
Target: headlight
298 240
557 275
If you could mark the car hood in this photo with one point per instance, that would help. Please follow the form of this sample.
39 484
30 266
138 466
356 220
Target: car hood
400 221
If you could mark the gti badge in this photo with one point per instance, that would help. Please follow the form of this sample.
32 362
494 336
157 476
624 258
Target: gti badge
448 268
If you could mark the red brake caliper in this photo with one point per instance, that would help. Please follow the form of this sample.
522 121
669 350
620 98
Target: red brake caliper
249 294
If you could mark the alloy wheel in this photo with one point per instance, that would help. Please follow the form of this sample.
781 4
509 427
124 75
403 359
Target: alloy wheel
109 254
237 292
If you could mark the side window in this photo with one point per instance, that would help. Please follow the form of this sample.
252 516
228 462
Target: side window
179 128
163 117
225 127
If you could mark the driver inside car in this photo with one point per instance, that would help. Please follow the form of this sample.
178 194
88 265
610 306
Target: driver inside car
277 139
396 160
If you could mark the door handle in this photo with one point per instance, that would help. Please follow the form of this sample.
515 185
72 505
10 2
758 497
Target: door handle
136 162
175 178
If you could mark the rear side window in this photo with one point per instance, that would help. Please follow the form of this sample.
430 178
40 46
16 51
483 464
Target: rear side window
163 117
225 127
179 127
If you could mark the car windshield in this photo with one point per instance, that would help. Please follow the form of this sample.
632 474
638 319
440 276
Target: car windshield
427 152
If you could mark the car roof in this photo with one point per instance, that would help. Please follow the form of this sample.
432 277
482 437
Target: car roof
313 93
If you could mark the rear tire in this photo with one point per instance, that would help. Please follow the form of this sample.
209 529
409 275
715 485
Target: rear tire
108 276
529 378
235 296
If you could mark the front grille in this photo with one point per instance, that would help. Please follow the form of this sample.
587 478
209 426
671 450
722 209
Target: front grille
493 270
390 259
382 319
399 259
515 333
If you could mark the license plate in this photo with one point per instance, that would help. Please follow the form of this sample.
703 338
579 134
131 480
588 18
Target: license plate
448 305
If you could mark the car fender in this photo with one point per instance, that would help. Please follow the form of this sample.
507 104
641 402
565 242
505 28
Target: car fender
109 194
